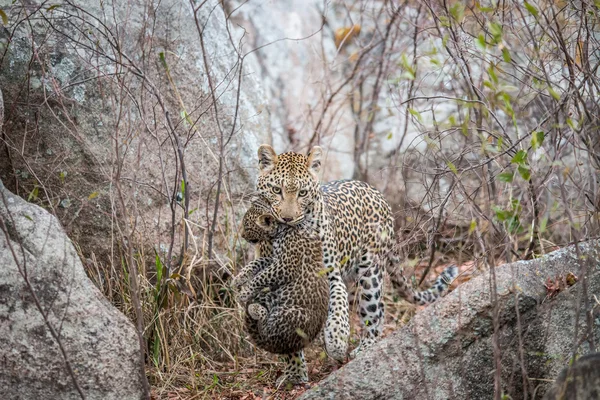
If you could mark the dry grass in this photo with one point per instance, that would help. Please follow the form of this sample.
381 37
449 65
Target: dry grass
197 349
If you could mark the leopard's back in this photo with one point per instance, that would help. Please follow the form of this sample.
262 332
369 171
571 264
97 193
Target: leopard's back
362 221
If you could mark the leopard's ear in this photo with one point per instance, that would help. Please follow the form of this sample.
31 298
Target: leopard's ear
314 160
267 158
265 221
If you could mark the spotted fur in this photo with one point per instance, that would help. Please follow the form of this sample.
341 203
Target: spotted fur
356 228
285 290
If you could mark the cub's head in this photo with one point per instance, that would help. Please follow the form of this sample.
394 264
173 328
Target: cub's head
289 182
258 224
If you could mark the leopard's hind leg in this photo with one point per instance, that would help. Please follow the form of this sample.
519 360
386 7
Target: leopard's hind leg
295 370
370 306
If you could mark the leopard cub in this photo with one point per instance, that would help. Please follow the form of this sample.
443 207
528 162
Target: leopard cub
285 290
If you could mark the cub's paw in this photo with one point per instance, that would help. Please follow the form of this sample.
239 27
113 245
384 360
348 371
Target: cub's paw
244 294
239 280
257 312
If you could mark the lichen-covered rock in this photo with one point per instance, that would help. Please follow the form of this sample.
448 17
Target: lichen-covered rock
100 343
446 351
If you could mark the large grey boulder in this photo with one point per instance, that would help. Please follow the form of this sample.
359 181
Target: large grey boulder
581 381
100 343
446 351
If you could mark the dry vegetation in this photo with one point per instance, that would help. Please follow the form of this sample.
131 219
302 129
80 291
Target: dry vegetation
509 171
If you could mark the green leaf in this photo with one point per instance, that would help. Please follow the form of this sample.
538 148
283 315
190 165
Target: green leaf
501 215
33 195
458 11
531 8
465 126
407 65
389 136
553 93
500 141
163 60
489 84
543 224
52 7
496 31
513 224
182 188
492 74
505 177
524 172
444 21
415 113
480 42
301 333
537 138
159 271
506 55
452 167
515 204
484 9
28 217
4 17
472 226
324 271
520 157
93 196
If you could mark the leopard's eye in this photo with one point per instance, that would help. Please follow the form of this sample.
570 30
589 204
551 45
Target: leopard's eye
303 193
276 190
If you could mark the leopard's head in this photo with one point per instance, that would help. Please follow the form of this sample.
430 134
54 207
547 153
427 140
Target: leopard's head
259 224
289 182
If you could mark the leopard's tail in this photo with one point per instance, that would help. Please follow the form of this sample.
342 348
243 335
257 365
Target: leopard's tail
405 290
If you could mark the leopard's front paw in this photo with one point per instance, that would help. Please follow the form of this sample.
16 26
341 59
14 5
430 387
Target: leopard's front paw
364 344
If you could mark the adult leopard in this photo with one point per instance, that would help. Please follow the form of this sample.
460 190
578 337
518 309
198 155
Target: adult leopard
356 227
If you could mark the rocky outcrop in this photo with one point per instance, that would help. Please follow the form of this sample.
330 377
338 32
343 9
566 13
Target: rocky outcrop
447 350
99 342
94 112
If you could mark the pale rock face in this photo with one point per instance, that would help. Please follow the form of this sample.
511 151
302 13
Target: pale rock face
298 74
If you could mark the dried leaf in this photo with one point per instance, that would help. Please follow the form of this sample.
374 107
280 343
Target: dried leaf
4 17
343 35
